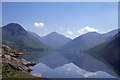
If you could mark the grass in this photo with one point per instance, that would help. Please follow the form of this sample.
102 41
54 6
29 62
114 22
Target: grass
8 72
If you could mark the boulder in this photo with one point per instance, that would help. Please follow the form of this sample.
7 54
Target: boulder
9 57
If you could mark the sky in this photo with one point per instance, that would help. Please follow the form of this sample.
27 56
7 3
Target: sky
71 19
60 0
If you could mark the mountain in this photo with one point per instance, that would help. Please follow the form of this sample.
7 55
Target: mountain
34 35
109 51
88 40
55 40
14 34
111 33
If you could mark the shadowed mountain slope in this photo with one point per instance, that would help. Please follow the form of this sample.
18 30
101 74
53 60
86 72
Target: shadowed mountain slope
109 51
15 35
88 40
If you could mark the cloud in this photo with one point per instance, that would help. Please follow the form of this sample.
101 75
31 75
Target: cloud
70 32
69 69
87 29
39 24
80 71
68 28
89 74
37 74
81 31
85 73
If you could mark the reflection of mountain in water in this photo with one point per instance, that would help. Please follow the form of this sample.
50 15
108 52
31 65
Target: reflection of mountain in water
87 62
54 60
66 71
34 55
57 59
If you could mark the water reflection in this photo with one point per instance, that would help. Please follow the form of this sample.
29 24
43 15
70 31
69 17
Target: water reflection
67 71
34 55
54 60
87 62
61 64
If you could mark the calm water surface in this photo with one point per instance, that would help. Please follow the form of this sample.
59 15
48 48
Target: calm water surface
59 64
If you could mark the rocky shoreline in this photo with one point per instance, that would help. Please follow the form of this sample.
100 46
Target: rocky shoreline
9 56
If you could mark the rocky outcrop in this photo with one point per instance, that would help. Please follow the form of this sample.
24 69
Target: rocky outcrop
27 63
9 57
12 52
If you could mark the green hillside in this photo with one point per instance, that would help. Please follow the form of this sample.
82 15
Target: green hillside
14 35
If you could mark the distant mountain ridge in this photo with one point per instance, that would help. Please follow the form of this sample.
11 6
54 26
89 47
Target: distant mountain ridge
88 40
35 35
55 40
14 34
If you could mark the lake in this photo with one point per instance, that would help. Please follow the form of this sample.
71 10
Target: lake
64 64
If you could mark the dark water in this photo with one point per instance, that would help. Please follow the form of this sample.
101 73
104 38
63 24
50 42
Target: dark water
59 64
